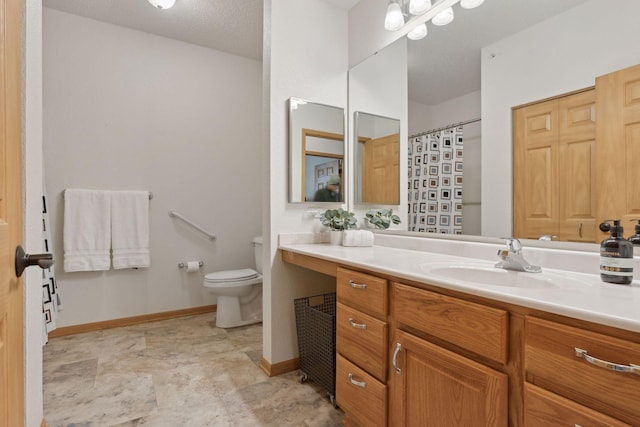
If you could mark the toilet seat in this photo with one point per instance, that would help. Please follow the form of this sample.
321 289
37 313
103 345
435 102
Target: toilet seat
245 276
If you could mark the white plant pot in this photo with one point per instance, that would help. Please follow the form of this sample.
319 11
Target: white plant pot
335 237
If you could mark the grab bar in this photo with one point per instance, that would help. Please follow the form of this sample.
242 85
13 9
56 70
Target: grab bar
175 214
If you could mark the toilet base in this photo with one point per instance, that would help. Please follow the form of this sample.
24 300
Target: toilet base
231 313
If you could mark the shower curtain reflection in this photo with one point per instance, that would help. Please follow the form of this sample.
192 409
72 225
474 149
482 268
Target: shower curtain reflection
435 181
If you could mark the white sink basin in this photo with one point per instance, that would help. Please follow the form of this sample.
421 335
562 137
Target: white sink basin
488 275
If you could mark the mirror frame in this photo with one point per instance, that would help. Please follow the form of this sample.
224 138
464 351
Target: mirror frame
300 153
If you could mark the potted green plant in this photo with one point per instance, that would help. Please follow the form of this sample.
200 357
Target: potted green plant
338 220
382 218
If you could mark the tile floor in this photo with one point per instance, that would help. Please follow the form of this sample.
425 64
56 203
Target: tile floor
180 372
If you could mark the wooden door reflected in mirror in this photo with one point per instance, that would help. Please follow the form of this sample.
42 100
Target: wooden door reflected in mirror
377 159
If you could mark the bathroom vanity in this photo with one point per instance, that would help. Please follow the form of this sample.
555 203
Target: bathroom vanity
425 339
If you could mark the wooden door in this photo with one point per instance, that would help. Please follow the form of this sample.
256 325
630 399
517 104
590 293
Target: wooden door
381 171
439 388
576 163
618 149
535 180
11 304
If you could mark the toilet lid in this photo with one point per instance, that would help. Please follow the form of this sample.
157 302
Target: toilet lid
231 275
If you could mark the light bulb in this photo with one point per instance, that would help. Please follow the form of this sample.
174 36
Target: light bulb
418 7
418 32
162 4
444 17
394 19
470 4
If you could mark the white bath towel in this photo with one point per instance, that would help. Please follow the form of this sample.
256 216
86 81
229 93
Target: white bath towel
130 229
357 238
86 235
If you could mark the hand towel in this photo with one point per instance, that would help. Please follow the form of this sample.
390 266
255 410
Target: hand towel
357 238
86 234
130 229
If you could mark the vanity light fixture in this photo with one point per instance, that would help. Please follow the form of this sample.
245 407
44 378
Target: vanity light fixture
394 20
418 32
400 12
162 4
443 18
470 4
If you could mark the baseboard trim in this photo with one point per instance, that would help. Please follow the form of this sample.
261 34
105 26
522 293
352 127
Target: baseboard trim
280 367
127 321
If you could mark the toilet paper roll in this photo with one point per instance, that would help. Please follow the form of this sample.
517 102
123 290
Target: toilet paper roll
193 266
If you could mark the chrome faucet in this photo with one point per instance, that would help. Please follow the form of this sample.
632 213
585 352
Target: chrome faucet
512 259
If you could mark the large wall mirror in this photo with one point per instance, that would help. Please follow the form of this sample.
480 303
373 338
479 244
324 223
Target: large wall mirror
491 59
377 159
316 152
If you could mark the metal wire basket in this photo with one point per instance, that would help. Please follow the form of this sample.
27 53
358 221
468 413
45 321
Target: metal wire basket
316 330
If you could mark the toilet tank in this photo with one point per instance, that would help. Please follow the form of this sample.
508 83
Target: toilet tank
257 253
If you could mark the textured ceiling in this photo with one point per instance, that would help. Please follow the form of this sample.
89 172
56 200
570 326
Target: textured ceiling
444 65
233 26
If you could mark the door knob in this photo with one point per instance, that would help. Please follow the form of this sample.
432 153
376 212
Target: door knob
24 260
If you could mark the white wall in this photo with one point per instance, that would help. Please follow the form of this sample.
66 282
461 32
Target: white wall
379 86
32 188
129 110
305 56
562 54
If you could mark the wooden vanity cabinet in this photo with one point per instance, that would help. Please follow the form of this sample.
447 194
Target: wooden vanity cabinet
430 356
361 344
434 386
584 366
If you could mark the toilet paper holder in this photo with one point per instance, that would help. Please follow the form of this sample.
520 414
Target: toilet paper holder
185 264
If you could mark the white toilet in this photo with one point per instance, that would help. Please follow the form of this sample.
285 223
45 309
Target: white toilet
239 292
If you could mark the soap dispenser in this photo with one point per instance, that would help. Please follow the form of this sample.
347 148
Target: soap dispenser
616 255
635 239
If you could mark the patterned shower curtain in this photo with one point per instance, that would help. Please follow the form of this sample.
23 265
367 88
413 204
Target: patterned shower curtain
435 182
51 303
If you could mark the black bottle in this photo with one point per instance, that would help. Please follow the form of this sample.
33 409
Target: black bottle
616 255
635 239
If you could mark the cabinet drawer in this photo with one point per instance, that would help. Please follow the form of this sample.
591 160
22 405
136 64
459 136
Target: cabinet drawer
364 291
545 409
360 395
474 327
363 340
552 362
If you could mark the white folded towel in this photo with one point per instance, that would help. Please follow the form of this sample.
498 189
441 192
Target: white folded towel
130 229
357 238
86 235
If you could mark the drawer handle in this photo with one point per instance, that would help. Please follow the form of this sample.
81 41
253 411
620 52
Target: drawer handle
357 383
357 285
357 325
395 358
631 368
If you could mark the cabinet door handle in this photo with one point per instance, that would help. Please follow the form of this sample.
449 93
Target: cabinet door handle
357 325
356 383
631 368
357 285
580 229
395 358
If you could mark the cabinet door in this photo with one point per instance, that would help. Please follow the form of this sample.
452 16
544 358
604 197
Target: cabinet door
618 148
535 181
545 409
576 163
439 388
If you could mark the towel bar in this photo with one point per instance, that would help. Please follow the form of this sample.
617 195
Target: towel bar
150 194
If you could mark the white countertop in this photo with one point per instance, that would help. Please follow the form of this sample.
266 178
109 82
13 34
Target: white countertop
581 296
